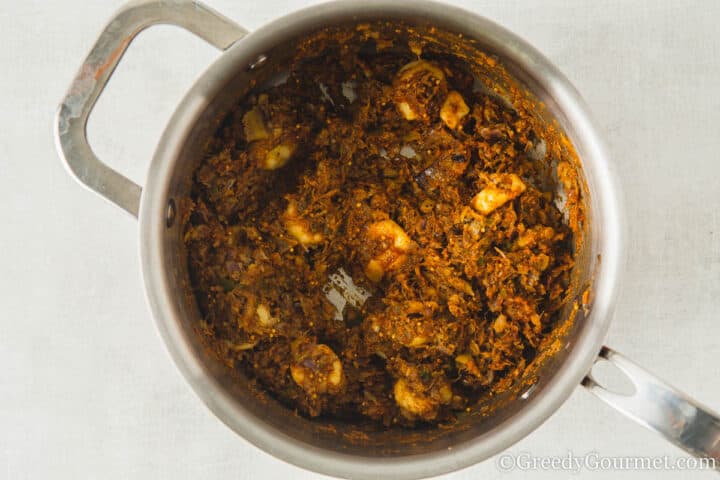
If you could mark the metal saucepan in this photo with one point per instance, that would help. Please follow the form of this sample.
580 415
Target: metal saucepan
319 445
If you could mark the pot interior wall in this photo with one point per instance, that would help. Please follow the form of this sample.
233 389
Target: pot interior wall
350 438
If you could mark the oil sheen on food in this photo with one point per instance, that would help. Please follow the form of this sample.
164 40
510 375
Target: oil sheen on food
381 159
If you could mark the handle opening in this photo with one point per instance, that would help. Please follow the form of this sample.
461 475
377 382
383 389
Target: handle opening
98 67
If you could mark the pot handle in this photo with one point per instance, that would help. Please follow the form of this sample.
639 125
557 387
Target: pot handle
72 115
662 408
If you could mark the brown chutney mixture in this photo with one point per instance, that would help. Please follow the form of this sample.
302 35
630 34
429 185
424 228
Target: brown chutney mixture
386 161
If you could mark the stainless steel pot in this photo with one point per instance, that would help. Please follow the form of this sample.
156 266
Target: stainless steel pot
316 445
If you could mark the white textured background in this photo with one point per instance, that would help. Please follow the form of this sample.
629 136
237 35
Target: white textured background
86 387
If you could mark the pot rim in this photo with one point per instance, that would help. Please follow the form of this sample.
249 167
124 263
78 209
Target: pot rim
538 408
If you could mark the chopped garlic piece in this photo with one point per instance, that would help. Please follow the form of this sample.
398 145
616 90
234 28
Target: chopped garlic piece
500 323
254 125
494 196
395 245
263 314
299 228
317 369
278 156
406 111
416 404
453 110
413 402
465 362
421 66
417 85
418 341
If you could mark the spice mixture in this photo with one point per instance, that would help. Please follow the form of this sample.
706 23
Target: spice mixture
377 179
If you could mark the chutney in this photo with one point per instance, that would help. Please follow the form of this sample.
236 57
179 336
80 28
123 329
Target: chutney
384 163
